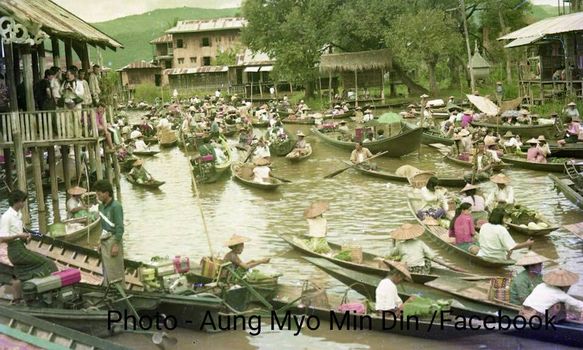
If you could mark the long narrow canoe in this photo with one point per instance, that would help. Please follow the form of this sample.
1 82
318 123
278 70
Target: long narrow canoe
533 232
259 124
148 153
84 232
275 183
303 121
569 150
152 184
525 131
440 235
431 136
465 164
219 169
301 157
442 181
567 187
406 142
340 116
521 162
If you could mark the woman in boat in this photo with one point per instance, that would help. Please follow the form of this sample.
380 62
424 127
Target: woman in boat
435 203
139 173
482 165
261 171
511 142
75 207
534 154
523 283
236 244
467 118
301 147
550 297
140 145
386 294
476 201
262 150
543 146
495 240
466 145
462 227
573 129
220 156
317 227
27 264
504 193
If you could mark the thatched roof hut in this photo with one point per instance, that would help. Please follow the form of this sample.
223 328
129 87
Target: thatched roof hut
356 61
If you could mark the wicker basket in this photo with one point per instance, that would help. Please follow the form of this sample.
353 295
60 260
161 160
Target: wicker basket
420 179
500 289
314 295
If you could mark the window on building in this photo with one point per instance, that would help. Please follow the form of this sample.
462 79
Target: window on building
180 60
179 44
193 60
206 61
206 42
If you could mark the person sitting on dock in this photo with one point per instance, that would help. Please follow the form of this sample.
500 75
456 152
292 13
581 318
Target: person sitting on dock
139 173
504 193
523 283
434 201
236 244
359 154
572 133
75 207
412 251
534 154
476 201
462 227
550 298
386 294
261 171
317 227
495 240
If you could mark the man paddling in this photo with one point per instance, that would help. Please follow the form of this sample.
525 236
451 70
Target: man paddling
359 154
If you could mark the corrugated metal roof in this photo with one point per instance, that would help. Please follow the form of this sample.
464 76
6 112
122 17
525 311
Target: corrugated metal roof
250 58
207 25
523 41
166 38
55 20
197 70
139 65
554 25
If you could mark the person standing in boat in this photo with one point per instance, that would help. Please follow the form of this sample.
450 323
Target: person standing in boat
551 296
75 207
386 294
462 227
523 283
495 240
236 244
111 240
434 201
317 227
27 264
534 154
504 193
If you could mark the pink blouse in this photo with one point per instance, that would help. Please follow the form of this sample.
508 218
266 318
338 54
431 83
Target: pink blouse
463 229
532 154
574 128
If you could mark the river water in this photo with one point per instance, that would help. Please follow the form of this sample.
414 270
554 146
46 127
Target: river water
168 222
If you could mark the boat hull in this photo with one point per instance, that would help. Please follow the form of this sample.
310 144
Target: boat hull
526 132
524 164
566 186
261 186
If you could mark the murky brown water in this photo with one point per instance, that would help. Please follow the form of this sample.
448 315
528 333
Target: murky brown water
363 209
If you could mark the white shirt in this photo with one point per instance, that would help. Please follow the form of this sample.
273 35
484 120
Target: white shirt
164 123
544 296
261 174
433 198
217 93
11 223
512 142
387 296
495 241
140 145
72 203
494 155
317 227
56 88
368 117
134 134
498 195
262 152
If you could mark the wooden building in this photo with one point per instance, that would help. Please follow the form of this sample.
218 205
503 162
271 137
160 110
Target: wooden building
552 64
27 24
163 51
204 78
140 72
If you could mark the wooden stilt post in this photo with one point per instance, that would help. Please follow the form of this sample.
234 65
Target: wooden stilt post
78 167
20 164
356 88
35 69
68 53
383 85
330 87
13 99
56 51
91 151
65 164
28 79
40 49
38 184
54 185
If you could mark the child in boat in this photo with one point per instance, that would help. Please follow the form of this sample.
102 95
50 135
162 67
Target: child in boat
75 207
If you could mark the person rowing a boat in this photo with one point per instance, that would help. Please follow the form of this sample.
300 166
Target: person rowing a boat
75 207
262 150
412 251
504 193
495 240
549 299
300 148
236 244
386 294
261 171
482 165
139 173
27 264
317 227
534 154
523 283
360 154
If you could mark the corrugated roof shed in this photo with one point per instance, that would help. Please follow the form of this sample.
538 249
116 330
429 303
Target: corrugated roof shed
55 21
166 38
554 25
249 58
139 65
197 70
208 25
356 61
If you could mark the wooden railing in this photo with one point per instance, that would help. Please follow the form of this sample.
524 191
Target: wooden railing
45 127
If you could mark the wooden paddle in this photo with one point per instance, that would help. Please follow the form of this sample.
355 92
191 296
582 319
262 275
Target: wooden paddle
250 153
279 178
329 176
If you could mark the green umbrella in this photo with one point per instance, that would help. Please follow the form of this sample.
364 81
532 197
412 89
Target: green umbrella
389 118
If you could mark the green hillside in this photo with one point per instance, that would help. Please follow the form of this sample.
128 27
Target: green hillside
135 32
544 11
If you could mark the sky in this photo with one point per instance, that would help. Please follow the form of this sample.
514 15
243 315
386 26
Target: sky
104 10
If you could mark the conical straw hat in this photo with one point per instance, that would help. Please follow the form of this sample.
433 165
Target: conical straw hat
429 221
261 162
500 179
407 231
468 187
508 134
138 162
560 278
401 267
532 141
76 191
236 239
316 209
531 258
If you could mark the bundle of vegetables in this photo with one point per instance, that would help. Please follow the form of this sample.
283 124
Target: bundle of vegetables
557 160
421 306
525 217
344 255
444 223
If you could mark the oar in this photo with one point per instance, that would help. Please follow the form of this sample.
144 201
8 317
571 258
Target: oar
329 176
279 178
250 153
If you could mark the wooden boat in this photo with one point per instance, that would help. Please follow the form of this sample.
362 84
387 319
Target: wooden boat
169 144
282 148
217 171
440 235
442 181
236 169
48 335
406 142
532 232
525 131
465 164
148 153
302 157
521 162
152 184
304 121
168 139
259 124
432 136
83 233
568 188
344 115
569 150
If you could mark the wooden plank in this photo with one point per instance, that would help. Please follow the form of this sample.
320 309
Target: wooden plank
54 185
576 229
50 124
38 183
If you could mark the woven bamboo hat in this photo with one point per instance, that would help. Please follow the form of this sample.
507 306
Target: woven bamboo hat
468 187
401 267
531 258
316 209
429 221
407 231
532 141
424 96
236 239
468 111
572 104
300 134
541 138
411 106
500 179
561 278
76 191
508 134
261 162
138 162
490 143
464 132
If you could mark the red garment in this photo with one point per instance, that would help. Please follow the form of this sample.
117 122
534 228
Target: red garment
463 229
535 155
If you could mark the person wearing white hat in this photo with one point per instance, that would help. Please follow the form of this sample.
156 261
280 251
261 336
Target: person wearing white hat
386 294
511 142
571 111
317 227
300 148
524 282
140 145
261 150
466 141
139 173
543 146
534 154
504 193
368 116
236 244
75 207
550 297
477 202
482 164
495 240
135 133
411 250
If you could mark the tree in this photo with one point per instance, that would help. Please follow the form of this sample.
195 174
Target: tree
227 57
424 36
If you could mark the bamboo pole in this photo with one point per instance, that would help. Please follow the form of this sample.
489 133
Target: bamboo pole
20 163
56 51
38 184
54 185
28 80
13 99
204 225
356 88
65 164
330 87
383 85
